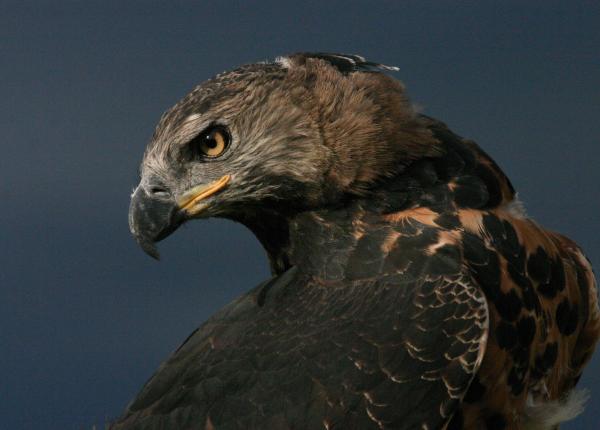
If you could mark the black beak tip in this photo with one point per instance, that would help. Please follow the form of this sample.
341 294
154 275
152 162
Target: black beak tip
150 249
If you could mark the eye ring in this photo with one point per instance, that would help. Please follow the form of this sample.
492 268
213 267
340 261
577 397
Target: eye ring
211 143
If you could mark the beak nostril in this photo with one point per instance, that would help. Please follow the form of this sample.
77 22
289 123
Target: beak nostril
158 191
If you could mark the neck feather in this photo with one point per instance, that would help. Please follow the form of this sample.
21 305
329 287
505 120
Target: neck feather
323 239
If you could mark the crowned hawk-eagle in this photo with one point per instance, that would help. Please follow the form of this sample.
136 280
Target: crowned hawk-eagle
409 289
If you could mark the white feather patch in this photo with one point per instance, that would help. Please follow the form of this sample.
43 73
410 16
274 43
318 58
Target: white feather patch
516 208
284 62
549 414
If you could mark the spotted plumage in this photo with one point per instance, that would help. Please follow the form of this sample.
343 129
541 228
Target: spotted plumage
409 290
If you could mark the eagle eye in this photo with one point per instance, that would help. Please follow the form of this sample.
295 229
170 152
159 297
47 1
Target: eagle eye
211 143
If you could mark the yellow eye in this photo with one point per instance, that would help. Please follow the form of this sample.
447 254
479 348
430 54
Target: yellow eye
213 142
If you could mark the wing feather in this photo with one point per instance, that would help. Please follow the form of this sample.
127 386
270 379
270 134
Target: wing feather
298 353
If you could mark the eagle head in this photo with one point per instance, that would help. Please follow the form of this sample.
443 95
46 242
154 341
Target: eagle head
266 140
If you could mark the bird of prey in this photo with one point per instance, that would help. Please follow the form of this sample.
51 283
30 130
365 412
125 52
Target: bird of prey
409 289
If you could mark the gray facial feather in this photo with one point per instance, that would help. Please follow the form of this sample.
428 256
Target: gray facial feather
295 125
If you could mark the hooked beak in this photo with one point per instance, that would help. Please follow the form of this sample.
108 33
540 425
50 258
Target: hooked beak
154 217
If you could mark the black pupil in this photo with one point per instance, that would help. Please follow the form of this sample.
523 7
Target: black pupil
211 143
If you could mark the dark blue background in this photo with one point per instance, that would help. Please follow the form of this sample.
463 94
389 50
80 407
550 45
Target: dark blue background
85 316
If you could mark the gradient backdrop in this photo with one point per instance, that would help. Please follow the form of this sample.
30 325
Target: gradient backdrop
85 316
